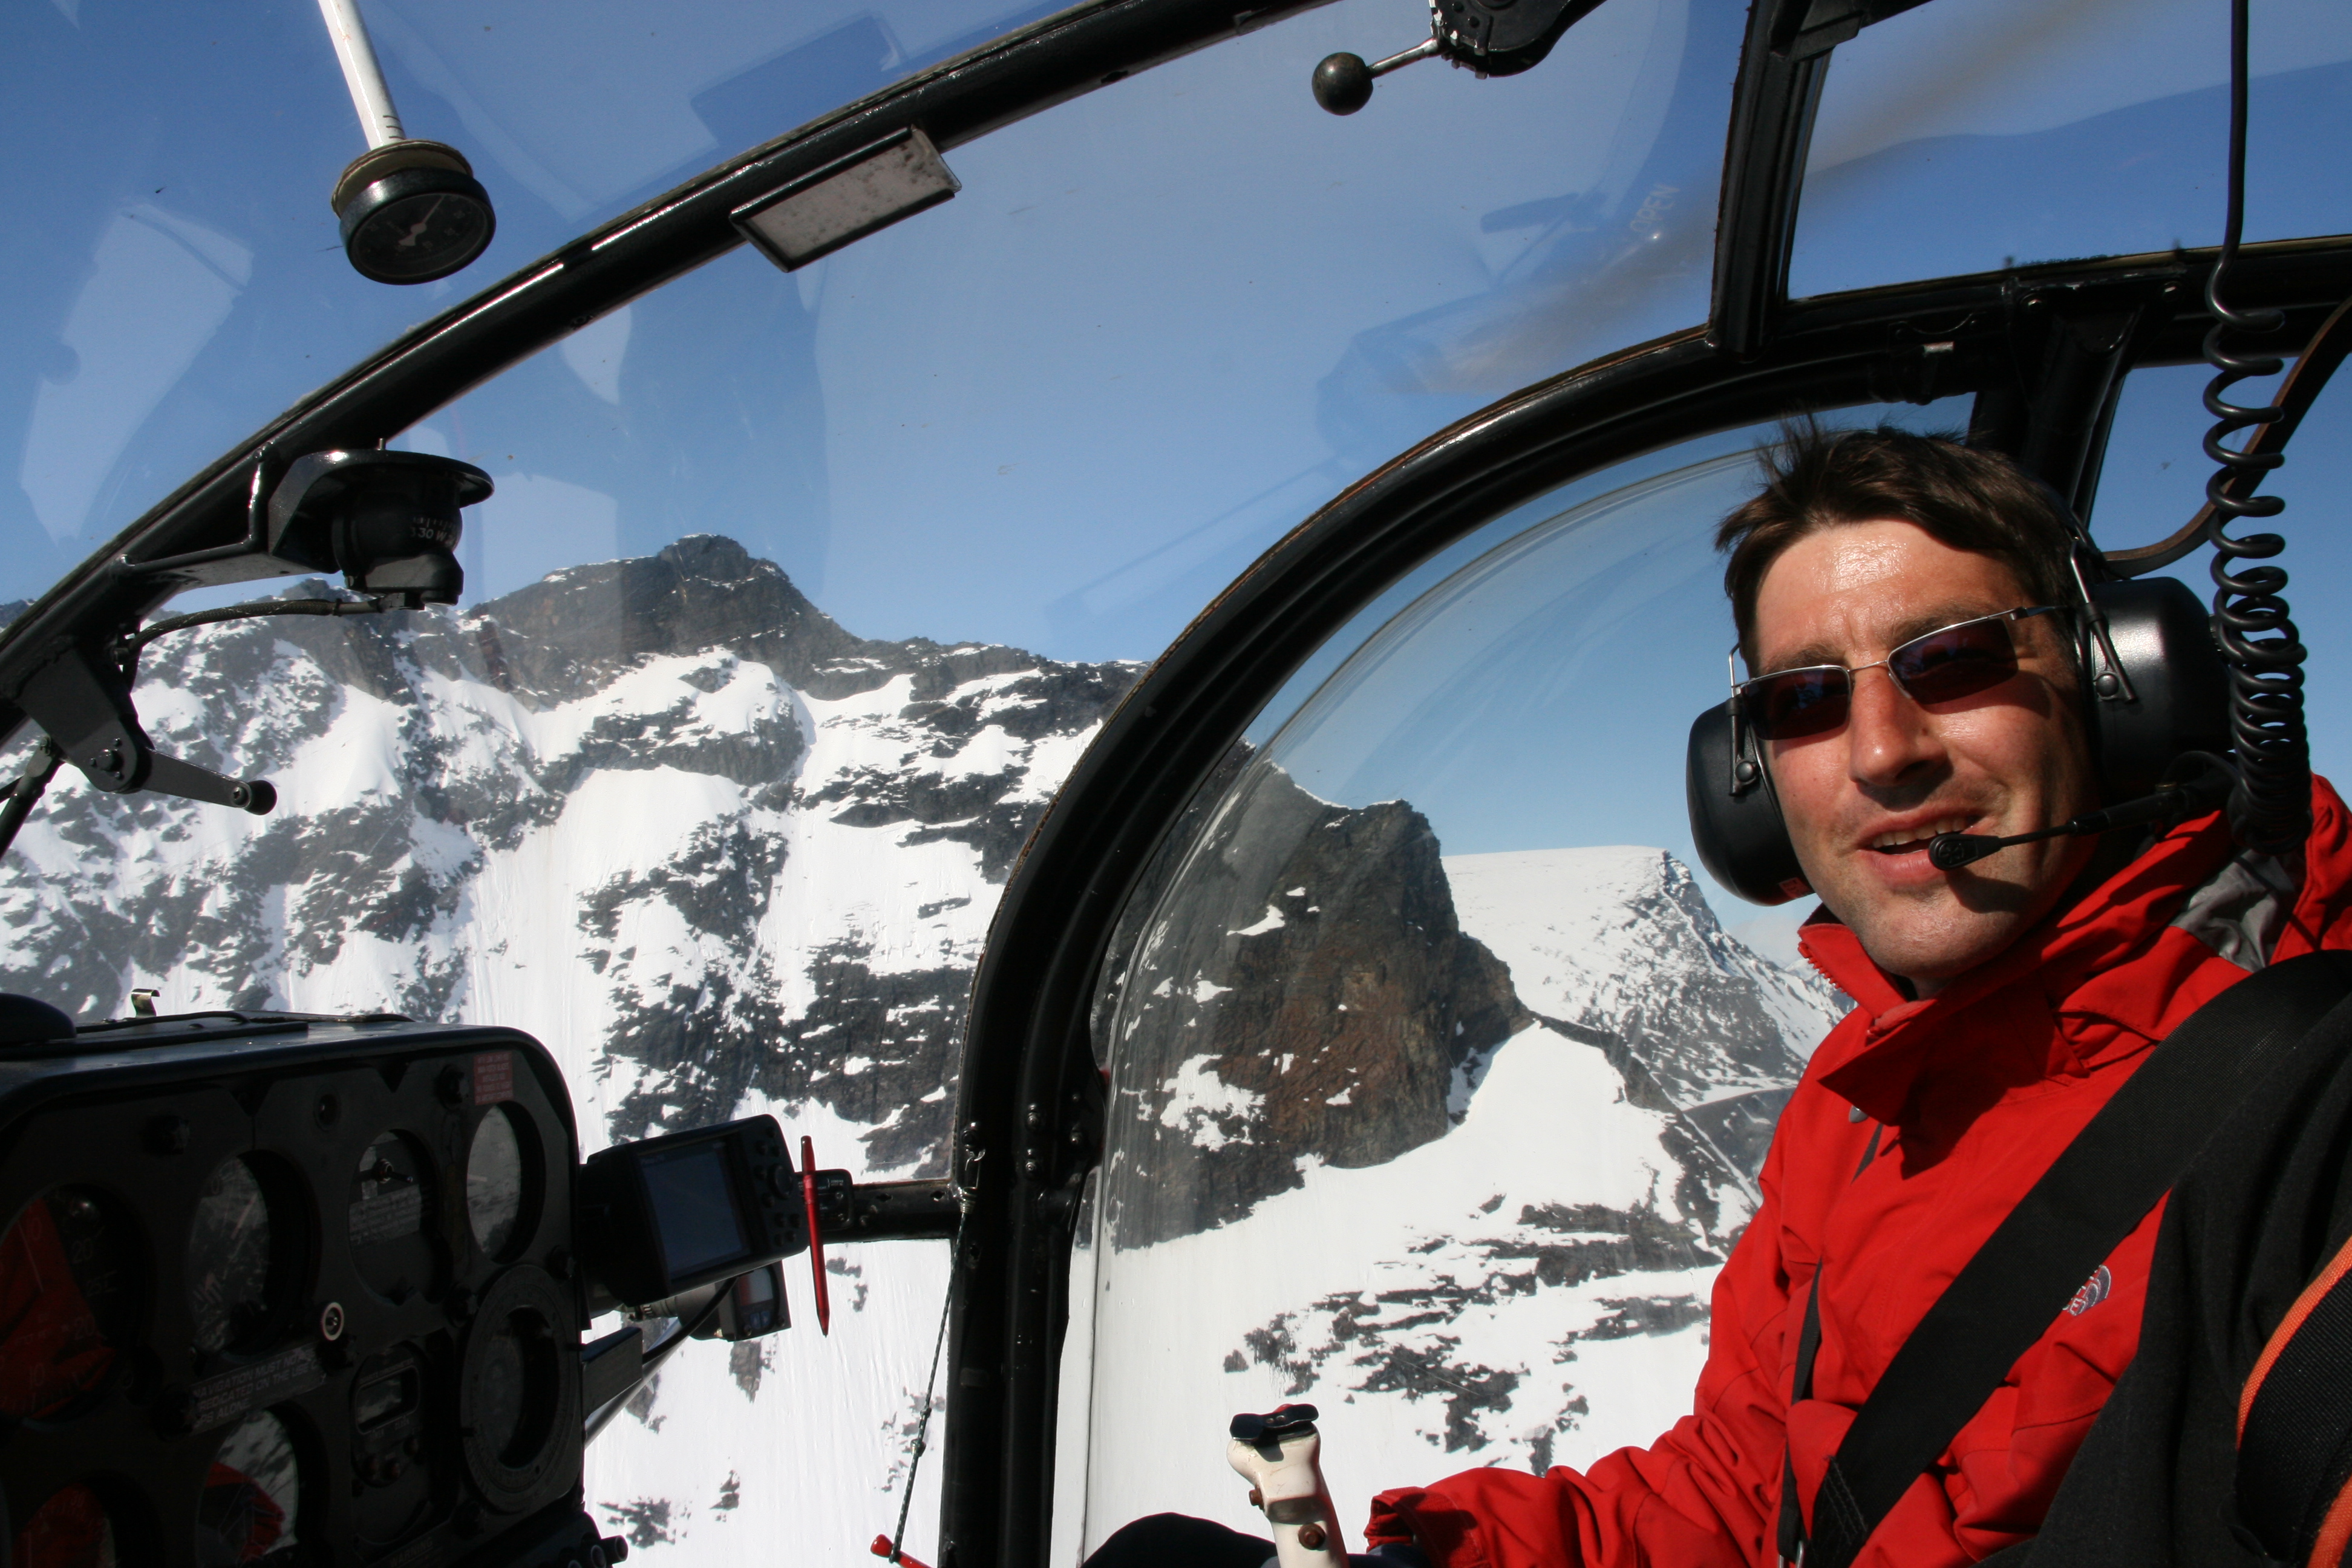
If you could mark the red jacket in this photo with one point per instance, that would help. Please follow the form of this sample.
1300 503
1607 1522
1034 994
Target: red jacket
1977 1089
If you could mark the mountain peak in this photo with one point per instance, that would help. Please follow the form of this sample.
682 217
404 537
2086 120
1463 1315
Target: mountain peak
577 627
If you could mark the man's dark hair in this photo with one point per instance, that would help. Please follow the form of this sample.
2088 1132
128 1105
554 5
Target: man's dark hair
1962 496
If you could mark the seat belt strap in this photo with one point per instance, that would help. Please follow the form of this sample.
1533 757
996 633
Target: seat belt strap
1809 1342
1801 1384
2092 1196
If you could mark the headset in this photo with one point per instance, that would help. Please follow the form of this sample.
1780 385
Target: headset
2156 689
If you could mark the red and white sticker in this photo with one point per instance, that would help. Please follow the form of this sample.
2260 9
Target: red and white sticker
493 1077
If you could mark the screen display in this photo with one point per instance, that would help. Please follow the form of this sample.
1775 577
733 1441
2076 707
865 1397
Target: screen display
694 1208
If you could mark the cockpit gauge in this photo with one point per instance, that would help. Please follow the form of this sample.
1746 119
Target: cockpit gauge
234 1251
514 1402
69 1300
497 1189
250 1508
392 1247
73 1529
411 209
392 1463
414 213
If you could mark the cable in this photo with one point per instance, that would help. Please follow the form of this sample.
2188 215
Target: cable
923 1424
601 1416
21 795
128 648
2251 617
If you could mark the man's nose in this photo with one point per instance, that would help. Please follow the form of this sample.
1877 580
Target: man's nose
1888 738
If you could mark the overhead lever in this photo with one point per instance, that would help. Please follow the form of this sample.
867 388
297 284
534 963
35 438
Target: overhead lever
1492 37
1343 82
82 700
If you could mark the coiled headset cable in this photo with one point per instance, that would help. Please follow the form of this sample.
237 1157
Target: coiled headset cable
2251 622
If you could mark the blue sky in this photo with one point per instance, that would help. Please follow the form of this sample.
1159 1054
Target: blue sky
1160 324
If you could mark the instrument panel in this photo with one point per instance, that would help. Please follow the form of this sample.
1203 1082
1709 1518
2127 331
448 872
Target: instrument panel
288 1291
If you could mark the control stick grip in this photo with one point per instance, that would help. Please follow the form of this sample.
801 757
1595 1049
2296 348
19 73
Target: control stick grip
1280 1455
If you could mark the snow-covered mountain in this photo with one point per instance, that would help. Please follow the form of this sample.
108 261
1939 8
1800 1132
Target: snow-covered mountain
1506 1256
721 855
662 812
1619 940
1451 1145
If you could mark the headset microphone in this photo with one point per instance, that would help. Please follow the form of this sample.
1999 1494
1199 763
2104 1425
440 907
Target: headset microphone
2207 788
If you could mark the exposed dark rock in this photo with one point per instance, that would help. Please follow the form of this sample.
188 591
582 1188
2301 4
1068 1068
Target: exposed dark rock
646 1521
1633 1315
1312 995
1742 1125
1601 1243
747 1362
571 634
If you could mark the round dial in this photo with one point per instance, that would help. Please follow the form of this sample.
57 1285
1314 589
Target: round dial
248 1509
232 1255
498 1188
417 225
69 1297
390 1219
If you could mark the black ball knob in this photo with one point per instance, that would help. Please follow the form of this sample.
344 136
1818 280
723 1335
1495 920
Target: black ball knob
1343 83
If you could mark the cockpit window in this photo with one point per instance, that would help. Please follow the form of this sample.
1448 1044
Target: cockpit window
800 594
2152 480
1440 1076
176 277
1973 134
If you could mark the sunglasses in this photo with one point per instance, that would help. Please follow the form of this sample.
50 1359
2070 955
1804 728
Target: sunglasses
1940 666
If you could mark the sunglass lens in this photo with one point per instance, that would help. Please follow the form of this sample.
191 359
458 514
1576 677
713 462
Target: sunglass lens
1797 702
1958 661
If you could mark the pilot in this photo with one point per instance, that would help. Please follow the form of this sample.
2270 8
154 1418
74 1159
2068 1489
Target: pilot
1905 600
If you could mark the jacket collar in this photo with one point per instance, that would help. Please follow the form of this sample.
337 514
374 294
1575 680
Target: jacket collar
2081 965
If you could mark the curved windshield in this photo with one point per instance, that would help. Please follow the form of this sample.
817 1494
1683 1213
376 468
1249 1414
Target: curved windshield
800 594
175 276
1975 134
1439 1076
2152 480
1159 326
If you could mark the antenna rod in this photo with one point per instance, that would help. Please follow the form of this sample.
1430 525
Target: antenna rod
370 96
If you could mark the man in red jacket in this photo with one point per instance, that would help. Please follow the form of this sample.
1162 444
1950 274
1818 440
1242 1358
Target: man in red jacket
1998 1007
1904 601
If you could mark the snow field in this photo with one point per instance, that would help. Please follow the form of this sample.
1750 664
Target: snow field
1549 1125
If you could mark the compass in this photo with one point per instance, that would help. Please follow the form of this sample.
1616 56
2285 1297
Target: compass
412 211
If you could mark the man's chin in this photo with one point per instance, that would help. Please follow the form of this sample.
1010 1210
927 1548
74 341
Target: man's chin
1932 951
1925 931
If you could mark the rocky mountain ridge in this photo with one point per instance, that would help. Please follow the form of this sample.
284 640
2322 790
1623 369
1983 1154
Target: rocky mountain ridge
723 856
666 799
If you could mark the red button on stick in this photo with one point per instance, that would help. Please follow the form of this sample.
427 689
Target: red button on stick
881 1548
816 1240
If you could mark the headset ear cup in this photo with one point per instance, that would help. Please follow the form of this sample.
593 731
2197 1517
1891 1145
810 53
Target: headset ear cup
1740 837
2163 638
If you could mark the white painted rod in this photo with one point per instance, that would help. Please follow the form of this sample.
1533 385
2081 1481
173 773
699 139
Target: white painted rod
378 118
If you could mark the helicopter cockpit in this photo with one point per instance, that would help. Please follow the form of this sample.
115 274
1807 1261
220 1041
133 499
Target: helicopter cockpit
980 753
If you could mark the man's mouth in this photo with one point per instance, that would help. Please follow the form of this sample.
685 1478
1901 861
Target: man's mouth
1911 840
